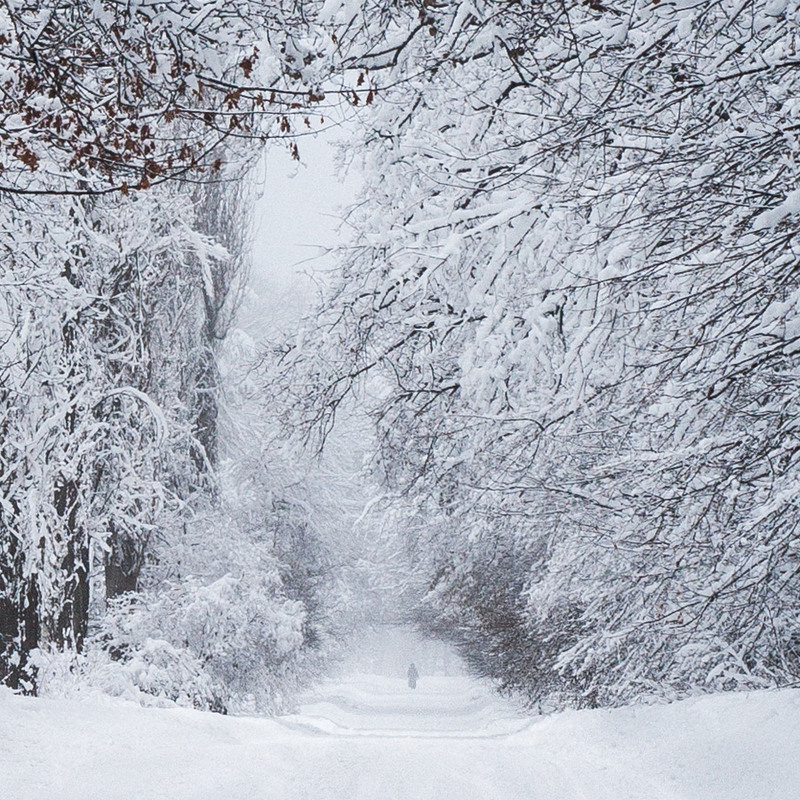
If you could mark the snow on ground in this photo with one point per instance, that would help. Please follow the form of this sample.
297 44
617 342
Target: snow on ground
440 707
369 737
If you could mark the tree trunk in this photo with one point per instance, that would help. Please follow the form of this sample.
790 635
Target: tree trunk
73 618
19 619
123 565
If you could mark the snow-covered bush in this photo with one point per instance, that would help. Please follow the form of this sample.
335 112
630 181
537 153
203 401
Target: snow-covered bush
226 646
153 673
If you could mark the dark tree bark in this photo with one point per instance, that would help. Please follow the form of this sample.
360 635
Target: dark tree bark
123 564
19 618
206 409
73 617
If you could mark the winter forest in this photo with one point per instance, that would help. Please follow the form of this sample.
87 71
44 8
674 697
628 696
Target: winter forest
545 405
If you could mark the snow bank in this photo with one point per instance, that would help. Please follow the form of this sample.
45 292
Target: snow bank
727 747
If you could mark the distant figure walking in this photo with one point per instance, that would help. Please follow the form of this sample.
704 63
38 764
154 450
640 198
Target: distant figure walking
413 675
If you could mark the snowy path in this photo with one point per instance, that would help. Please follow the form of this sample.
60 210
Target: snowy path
372 738
375 706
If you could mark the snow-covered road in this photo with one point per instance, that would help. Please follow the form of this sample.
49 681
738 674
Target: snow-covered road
370 737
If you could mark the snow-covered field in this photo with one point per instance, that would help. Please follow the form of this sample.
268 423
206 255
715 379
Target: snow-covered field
369 737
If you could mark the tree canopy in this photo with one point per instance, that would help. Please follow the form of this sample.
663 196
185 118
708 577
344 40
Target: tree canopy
570 305
108 96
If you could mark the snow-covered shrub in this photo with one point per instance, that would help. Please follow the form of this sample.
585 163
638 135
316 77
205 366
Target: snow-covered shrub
154 673
240 631
226 646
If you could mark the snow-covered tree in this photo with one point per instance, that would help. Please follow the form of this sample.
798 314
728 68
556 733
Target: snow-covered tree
107 96
88 441
570 304
125 133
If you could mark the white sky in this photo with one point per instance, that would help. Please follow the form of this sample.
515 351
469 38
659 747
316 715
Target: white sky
295 220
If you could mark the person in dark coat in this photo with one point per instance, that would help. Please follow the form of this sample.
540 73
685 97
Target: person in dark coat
413 675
